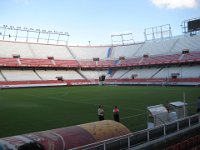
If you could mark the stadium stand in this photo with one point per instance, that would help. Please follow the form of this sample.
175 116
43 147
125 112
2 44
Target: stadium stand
149 62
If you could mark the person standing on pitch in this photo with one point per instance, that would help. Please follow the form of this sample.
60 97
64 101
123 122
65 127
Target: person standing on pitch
116 113
100 113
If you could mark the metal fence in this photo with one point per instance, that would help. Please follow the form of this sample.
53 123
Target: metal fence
145 136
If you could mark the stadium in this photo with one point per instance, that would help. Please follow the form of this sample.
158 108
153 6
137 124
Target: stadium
50 91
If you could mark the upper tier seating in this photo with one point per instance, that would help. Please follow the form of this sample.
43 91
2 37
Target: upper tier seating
90 52
190 42
127 51
157 47
28 50
8 49
56 51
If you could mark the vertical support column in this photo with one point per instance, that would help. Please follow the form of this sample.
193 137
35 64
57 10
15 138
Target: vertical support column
27 36
48 37
38 37
4 33
16 35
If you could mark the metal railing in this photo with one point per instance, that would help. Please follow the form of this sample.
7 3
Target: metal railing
145 136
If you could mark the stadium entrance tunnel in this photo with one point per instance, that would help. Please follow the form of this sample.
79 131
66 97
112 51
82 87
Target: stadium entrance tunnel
65 138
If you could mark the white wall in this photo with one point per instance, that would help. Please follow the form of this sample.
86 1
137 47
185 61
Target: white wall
184 71
119 74
191 42
190 72
43 51
156 47
90 52
28 50
141 73
20 75
52 74
7 49
126 51
93 74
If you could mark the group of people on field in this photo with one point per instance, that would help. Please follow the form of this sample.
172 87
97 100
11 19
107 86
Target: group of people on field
115 113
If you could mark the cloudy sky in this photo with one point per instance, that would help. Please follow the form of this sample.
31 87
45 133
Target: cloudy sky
96 20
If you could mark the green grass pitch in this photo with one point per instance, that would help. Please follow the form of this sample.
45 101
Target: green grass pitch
36 109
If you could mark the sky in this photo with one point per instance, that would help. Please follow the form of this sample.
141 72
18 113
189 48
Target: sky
97 20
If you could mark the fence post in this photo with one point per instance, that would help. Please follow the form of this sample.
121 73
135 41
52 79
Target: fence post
164 130
148 135
104 145
189 122
129 144
177 124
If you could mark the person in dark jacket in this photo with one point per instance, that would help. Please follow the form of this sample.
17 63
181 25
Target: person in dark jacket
116 113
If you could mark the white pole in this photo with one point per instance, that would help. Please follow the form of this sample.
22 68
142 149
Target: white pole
184 113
